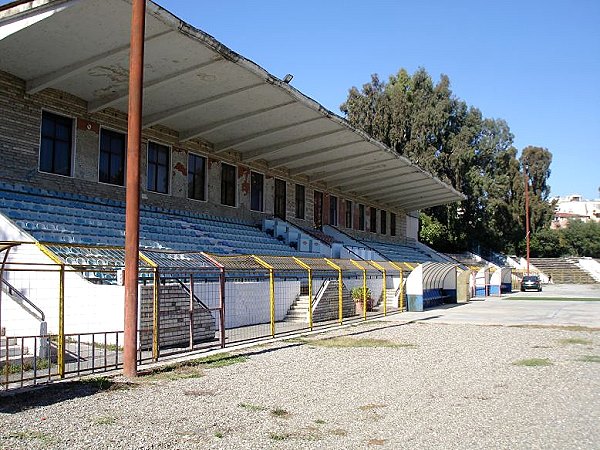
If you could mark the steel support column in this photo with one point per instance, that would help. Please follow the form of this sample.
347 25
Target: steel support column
132 211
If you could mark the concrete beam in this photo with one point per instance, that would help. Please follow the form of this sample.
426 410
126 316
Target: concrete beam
307 155
261 153
51 79
105 102
332 162
228 145
153 119
196 132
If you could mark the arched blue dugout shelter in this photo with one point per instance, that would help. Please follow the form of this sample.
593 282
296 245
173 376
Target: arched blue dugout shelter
431 284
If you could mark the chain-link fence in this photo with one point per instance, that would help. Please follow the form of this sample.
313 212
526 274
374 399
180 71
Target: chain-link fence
62 306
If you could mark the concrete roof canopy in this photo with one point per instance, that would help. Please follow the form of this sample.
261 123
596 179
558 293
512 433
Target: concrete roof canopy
203 90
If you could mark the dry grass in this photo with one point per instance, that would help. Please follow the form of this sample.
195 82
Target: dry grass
533 362
350 342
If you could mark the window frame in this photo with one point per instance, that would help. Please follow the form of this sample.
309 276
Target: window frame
235 190
72 148
124 134
168 167
301 203
205 175
262 191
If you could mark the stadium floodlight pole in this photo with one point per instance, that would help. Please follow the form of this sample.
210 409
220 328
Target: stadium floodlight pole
132 206
525 169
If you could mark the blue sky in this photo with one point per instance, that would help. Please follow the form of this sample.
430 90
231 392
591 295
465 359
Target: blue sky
535 64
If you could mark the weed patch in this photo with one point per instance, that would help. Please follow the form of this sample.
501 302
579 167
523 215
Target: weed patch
193 368
349 342
320 422
533 362
558 327
281 413
371 406
575 341
28 435
589 358
279 436
251 407
106 420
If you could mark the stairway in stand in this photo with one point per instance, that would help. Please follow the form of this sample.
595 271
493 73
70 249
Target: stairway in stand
10 346
298 312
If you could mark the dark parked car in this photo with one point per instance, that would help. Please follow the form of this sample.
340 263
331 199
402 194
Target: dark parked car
531 282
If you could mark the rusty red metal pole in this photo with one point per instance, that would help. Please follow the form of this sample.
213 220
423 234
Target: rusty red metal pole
132 210
527 215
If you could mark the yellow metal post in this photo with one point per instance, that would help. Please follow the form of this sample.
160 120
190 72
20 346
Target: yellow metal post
340 292
155 306
310 297
384 293
401 296
271 290
61 322
155 316
364 271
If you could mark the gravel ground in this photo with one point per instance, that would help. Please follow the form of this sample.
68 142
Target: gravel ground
455 387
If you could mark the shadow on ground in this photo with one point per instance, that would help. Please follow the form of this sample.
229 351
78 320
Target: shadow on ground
56 393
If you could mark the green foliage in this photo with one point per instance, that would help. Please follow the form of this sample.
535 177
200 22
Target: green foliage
357 293
432 232
578 239
424 121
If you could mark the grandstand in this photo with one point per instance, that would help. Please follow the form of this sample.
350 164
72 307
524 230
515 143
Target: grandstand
563 270
235 161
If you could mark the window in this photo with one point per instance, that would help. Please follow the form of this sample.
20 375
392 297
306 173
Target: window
56 145
373 220
111 167
228 184
361 217
158 168
279 199
256 191
333 210
196 177
392 224
383 222
348 222
300 200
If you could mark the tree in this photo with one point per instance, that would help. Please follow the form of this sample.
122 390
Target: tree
424 121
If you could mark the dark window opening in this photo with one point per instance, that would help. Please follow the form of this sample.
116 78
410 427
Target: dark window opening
318 210
257 183
279 199
361 217
158 168
112 157
56 145
196 177
333 210
383 222
392 224
373 220
228 185
348 214
300 201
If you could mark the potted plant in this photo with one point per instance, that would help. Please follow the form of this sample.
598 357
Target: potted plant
358 297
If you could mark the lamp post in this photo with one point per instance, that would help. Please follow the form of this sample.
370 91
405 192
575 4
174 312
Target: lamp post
525 169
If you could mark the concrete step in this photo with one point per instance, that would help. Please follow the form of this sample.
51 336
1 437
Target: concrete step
14 350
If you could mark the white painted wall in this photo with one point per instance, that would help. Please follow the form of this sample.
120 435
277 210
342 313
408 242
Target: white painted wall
247 303
591 266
